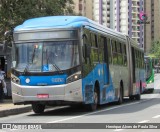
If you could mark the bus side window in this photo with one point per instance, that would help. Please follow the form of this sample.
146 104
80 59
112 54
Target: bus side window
86 43
119 53
114 51
109 50
94 48
124 55
101 42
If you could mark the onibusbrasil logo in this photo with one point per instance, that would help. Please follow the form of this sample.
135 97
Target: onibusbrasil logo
143 18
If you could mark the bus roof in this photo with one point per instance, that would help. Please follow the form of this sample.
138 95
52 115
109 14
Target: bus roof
50 22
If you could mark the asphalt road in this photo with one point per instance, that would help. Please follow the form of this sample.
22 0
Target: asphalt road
147 110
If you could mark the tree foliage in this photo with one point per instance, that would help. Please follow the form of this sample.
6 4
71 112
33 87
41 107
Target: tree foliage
14 12
155 49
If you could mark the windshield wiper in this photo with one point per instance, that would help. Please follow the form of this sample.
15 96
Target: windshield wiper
57 68
33 55
26 68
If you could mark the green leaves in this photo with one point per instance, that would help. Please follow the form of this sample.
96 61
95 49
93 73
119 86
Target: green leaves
155 49
14 12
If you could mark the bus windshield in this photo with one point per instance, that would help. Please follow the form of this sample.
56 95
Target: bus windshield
46 56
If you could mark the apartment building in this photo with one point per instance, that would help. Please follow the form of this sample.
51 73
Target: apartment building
120 15
84 8
126 17
152 30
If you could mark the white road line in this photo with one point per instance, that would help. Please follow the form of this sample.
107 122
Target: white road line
107 109
157 116
144 121
90 113
117 130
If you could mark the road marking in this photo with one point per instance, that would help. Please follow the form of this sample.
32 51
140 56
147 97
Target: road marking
117 130
70 118
157 116
144 121
107 109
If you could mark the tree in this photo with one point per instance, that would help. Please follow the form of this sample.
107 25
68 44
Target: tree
155 49
14 12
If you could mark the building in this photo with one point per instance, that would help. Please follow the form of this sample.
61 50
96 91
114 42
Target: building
152 30
120 15
84 8
126 17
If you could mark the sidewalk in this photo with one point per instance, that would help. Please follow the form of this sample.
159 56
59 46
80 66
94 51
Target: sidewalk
8 108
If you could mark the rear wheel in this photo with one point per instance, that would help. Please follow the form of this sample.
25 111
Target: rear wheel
131 97
38 108
120 100
138 96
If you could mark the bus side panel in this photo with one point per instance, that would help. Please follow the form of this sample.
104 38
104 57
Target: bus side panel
142 78
107 94
107 91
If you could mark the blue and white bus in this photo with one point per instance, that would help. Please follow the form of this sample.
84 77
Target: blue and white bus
71 59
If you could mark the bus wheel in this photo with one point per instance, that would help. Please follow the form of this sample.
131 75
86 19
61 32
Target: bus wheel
151 90
138 96
131 97
120 100
38 108
93 106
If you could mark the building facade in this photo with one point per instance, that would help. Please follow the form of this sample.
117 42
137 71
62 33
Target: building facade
152 30
120 15
126 19
84 8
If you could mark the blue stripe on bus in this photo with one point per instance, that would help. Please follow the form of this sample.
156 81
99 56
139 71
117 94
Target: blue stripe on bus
43 80
89 82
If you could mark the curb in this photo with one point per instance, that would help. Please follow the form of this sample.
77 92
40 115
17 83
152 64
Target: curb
15 111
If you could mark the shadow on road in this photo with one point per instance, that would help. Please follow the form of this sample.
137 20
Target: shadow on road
127 107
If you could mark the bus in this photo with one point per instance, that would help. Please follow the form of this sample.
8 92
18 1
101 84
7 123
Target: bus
149 73
67 60
155 63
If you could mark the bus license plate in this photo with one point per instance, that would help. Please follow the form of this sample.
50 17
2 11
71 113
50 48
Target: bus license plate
42 96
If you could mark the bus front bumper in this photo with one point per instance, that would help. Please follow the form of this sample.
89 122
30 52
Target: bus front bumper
68 92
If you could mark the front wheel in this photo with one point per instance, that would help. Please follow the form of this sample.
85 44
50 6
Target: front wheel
38 108
93 106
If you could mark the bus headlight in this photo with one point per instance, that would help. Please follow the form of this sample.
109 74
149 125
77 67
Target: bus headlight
150 81
15 79
74 77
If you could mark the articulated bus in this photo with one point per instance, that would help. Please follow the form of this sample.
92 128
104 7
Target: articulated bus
72 59
149 73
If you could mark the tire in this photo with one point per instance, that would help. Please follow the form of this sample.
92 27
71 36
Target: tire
151 90
131 97
120 100
138 96
38 108
93 107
